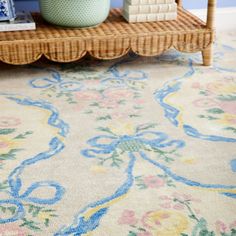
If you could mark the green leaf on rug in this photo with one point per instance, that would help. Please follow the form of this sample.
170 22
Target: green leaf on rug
138 107
94 104
11 209
10 155
201 229
6 131
215 111
163 154
88 112
233 232
46 222
208 117
107 130
131 233
107 117
3 209
122 102
133 115
231 129
205 232
114 158
203 93
24 135
145 127
36 211
4 185
30 224
227 97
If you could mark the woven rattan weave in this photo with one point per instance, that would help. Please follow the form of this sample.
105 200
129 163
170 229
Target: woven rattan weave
112 39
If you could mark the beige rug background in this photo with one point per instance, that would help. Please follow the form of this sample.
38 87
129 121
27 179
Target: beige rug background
130 147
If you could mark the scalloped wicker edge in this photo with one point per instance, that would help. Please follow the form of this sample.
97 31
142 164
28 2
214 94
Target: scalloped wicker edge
106 48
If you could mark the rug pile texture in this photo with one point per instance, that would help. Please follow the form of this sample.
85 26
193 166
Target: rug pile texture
129 147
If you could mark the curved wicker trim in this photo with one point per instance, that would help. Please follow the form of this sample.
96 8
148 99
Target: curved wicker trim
110 40
21 57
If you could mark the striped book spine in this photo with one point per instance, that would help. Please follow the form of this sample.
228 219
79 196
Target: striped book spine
143 9
149 2
149 17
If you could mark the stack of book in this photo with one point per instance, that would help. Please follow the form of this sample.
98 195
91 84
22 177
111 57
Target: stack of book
23 21
149 10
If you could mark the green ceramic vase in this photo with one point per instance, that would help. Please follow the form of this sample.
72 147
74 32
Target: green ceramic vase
75 13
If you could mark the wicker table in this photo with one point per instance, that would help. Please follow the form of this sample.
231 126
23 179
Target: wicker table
112 39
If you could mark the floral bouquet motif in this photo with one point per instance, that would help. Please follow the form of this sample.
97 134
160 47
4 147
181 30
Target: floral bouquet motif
7 10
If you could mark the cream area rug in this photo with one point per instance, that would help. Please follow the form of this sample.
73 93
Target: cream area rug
130 147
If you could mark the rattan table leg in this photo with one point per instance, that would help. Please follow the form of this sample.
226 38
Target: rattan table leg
207 55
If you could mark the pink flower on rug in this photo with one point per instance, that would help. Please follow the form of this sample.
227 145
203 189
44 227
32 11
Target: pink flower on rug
232 120
109 103
4 144
154 182
196 85
228 107
215 86
139 101
221 227
12 229
197 211
145 220
8 122
84 97
153 218
205 102
164 197
233 225
175 201
118 94
166 205
93 83
185 197
88 96
178 206
128 218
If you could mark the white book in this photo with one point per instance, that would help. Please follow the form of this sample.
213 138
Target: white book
23 21
149 17
152 8
146 2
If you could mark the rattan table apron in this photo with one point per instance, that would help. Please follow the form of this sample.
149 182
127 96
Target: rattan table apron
112 39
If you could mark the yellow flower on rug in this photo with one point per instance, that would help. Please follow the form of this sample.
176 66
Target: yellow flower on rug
6 144
163 222
123 129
